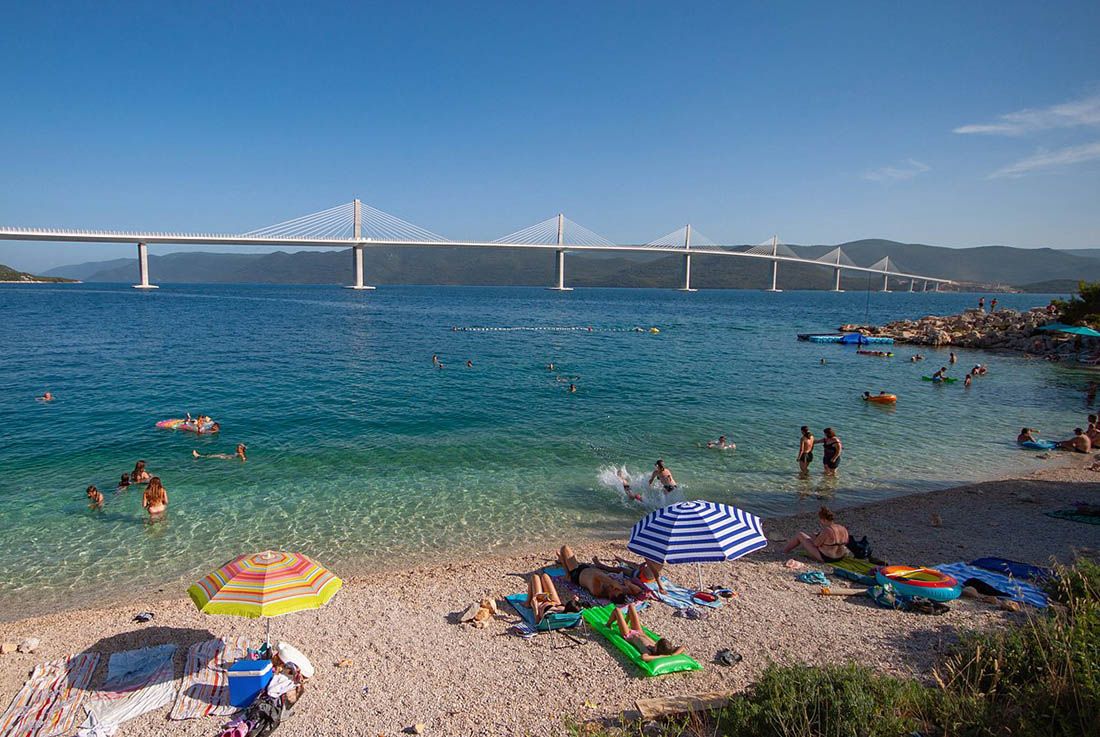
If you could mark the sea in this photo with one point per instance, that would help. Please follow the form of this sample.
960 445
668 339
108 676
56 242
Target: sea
365 455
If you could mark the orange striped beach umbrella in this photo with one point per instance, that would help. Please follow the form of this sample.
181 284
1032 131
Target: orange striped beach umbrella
266 584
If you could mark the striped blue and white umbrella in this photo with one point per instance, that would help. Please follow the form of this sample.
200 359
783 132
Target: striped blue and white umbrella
696 532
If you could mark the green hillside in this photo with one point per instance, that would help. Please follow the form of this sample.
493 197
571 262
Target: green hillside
8 274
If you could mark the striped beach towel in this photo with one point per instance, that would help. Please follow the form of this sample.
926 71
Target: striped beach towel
204 691
49 702
679 597
138 681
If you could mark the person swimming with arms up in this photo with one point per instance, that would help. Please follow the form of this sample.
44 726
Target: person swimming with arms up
241 448
661 473
721 444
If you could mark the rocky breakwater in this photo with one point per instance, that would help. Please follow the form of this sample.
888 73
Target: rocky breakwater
1001 330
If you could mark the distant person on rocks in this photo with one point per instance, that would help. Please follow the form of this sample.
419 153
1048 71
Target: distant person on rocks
805 451
993 306
95 496
1079 443
240 454
832 450
829 545
981 303
662 474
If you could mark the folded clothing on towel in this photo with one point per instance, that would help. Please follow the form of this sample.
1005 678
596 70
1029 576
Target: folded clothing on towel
1012 588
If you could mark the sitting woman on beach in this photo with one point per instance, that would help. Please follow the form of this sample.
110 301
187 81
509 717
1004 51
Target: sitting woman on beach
646 646
643 573
241 448
543 599
829 545
95 496
155 498
139 475
597 582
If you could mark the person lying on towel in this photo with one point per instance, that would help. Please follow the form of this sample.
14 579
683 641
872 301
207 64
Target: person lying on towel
599 583
646 646
641 574
543 599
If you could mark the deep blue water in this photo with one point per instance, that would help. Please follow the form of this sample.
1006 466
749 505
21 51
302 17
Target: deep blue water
363 454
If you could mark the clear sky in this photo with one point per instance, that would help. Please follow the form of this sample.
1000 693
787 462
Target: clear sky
939 122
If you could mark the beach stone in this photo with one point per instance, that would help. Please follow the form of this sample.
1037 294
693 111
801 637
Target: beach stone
7 647
28 645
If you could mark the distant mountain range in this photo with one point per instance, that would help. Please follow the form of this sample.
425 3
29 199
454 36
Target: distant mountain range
1041 269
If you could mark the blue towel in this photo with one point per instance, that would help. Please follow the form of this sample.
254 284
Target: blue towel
678 597
552 621
1011 587
814 577
1013 568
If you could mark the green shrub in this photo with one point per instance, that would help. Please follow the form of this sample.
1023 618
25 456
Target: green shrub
1084 307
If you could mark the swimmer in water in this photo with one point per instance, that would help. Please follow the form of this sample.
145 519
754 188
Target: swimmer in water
155 498
968 381
124 482
95 497
46 397
721 443
549 367
572 388
661 473
469 364
435 359
241 448
139 475
624 479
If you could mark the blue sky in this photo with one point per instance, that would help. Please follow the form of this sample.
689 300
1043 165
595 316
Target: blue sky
948 123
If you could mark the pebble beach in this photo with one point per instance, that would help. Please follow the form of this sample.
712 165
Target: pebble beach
405 660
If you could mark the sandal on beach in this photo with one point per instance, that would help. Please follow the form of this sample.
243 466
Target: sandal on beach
728 657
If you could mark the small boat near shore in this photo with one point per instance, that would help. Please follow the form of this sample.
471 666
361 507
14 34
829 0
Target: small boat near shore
846 338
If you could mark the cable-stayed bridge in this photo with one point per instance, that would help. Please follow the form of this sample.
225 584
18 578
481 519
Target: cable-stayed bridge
359 226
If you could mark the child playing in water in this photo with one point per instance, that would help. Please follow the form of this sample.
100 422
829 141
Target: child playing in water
124 482
624 478
95 496
646 646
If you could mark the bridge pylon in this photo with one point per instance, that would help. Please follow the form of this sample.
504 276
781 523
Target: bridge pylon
143 268
357 249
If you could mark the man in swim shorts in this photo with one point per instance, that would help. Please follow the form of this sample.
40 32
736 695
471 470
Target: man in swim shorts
1079 443
597 582
664 475
805 451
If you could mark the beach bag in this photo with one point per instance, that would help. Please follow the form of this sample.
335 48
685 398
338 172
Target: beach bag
264 715
859 548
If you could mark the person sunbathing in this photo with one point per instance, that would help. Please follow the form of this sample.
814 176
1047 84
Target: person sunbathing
597 582
643 573
633 633
124 482
829 545
542 598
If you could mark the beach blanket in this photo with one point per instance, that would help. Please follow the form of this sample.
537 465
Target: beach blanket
855 569
552 621
597 617
205 688
1071 514
49 702
584 596
679 597
1013 588
137 681
1013 568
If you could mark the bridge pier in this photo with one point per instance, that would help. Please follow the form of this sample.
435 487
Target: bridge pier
911 283
836 279
143 268
357 265
775 277
559 284
886 282
687 260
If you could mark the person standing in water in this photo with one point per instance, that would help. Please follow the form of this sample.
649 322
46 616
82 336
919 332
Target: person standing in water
953 358
805 451
241 448
661 473
95 497
155 499
139 475
833 449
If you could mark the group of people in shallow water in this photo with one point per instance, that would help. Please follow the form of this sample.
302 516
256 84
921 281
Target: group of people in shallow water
831 449
1084 440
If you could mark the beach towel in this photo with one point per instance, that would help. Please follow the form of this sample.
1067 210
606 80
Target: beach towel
815 577
137 681
1013 568
1012 588
205 688
597 617
679 597
49 702
552 621
1071 514
855 569
584 596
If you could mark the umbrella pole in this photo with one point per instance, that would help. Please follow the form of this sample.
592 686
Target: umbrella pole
267 635
699 568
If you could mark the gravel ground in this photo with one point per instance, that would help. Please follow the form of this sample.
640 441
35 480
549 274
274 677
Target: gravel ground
413 664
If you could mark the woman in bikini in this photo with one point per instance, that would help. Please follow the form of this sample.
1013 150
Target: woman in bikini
832 450
139 475
596 581
633 633
155 498
642 574
543 599
829 545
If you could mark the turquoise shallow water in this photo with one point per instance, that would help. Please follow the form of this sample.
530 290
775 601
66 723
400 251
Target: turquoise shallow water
364 455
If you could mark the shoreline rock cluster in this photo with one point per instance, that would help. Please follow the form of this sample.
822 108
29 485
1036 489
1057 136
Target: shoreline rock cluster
1006 330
